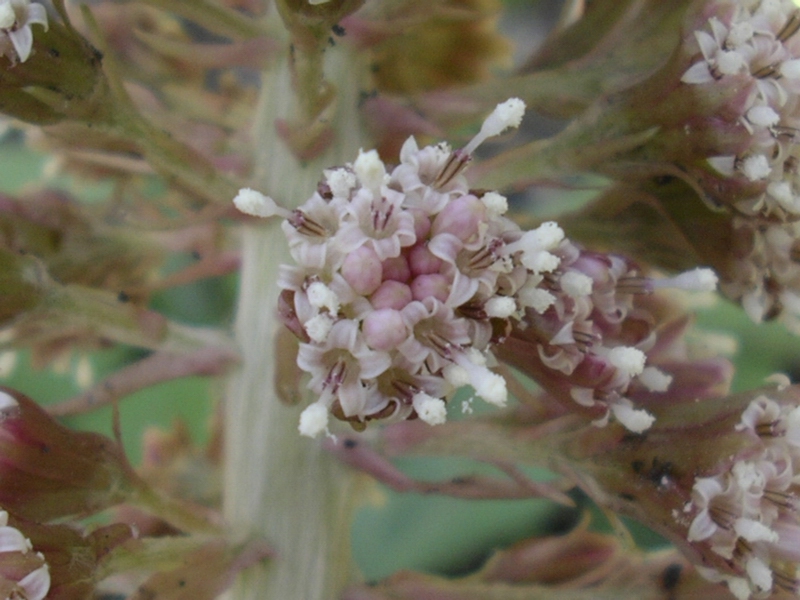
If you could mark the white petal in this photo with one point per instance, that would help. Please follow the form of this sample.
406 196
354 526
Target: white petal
697 73
36 583
37 14
12 540
22 39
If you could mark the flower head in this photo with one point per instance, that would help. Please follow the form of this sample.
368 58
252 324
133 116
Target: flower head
48 471
16 19
405 279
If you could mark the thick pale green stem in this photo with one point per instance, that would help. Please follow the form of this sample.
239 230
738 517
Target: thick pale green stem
277 483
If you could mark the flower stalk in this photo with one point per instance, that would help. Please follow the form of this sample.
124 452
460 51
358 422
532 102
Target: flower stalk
279 484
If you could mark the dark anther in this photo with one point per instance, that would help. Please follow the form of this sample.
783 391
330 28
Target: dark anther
123 297
350 443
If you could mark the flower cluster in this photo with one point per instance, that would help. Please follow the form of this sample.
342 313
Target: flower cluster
16 18
766 271
749 53
593 339
752 44
747 514
407 279
403 281
23 572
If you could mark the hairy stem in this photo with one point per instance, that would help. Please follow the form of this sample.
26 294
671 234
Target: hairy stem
277 483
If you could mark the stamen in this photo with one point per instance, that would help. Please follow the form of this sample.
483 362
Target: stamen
791 27
768 429
456 163
785 581
336 375
781 499
305 224
765 71
724 518
405 390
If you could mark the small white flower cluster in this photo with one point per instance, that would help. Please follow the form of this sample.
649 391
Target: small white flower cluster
16 36
748 515
766 271
592 336
36 583
752 46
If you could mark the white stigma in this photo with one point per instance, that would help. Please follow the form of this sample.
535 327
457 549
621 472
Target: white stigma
254 203
321 296
455 375
654 379
491 387
319 327
369 169
627 359
500 307
429 409
696 280
756 167
635 420
496 205
313 420
505 115
341 181
576 284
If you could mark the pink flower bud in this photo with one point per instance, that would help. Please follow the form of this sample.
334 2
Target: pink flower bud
396 269
461 218
422 261
422 224
391 294
48 471
430 286
362 270
384 329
